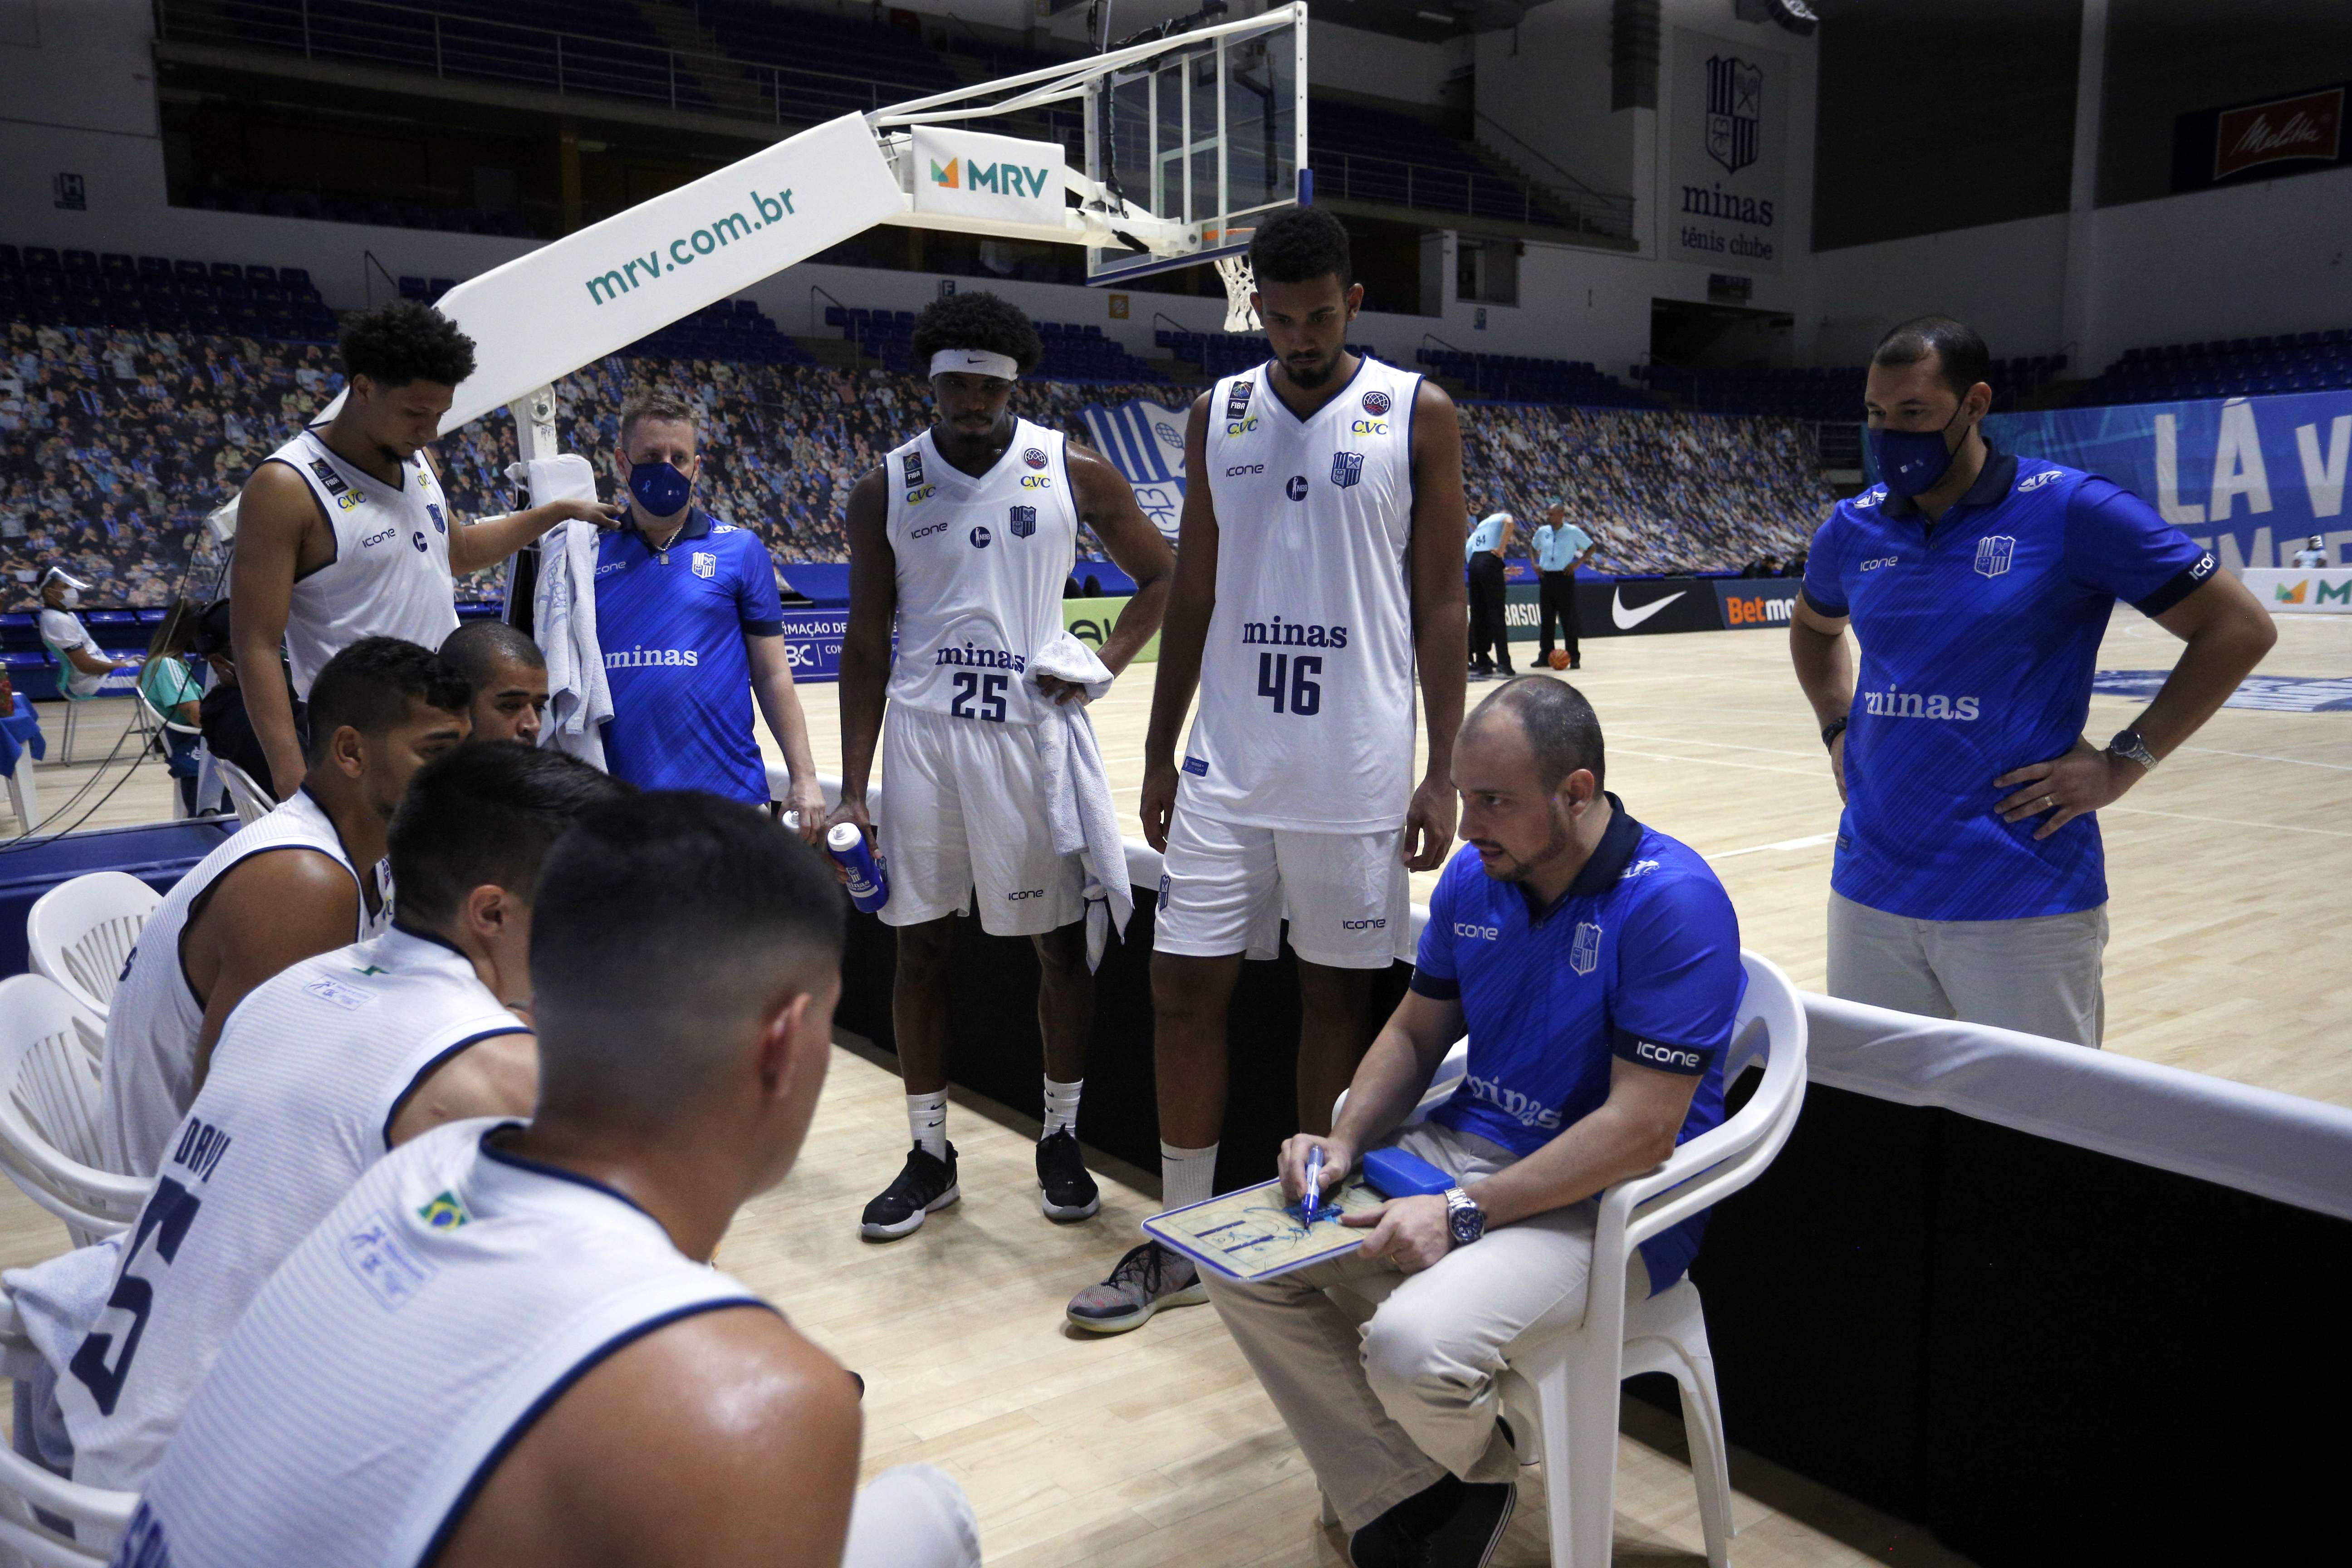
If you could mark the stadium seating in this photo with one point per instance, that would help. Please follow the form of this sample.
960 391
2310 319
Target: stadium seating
1223 354
2233 367
1514 378
1818 392
39 286
1378 155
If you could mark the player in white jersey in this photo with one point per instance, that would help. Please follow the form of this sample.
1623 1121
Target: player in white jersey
506 1343
319 1072
345 532
381 709
1316 567
967 534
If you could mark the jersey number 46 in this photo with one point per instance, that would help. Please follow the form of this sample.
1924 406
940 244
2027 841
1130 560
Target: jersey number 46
1282 675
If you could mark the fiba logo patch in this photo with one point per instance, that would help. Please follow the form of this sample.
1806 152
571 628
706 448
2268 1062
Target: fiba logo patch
1585 950
913 465
1294 486
1377 404
1735 110
980 538
1994 553
1025 521
1034 456
1346 469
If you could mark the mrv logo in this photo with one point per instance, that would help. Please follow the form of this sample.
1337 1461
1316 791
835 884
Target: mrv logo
639 270
1519 1107
1893 704
1280 632
1004 179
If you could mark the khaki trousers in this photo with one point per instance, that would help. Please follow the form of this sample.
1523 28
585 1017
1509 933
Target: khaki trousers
2041 975
1385 1409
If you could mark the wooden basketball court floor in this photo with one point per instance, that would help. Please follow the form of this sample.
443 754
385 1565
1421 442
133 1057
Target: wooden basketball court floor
2231 870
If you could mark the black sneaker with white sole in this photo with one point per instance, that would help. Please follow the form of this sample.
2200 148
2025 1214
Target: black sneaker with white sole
928 1183
1065 1191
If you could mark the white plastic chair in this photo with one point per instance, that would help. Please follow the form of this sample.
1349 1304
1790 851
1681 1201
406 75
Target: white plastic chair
1562 1394
26 1486
156 731
251 801
49 1111
82 933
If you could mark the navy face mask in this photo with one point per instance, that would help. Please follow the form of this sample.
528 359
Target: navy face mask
659 489
1910 462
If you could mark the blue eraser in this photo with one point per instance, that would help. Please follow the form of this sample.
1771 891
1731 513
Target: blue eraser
1393 1174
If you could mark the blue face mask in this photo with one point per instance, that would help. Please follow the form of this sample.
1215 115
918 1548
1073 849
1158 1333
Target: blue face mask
1910 462
659 489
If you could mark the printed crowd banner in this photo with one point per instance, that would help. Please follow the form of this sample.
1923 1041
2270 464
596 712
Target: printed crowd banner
1146 443
2251 478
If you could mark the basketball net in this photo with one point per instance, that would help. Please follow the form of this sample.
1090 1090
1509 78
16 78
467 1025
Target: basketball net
1241 316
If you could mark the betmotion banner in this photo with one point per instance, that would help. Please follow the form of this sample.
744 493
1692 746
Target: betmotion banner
2251 478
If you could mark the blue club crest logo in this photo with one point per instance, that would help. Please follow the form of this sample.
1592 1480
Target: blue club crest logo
1994 553
1585 950
435 508
1025 521
980 538
1734 111
1346 469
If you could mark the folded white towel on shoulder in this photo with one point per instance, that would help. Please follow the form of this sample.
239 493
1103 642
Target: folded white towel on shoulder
563 610
1078 789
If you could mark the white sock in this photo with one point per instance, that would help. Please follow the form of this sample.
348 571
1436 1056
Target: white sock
1061 1105
1187 1175
927 1117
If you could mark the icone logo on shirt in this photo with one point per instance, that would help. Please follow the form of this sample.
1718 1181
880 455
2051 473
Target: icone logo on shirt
1238 470
1668 1055
1381 924
373 539
1874 563
612 566
1476 933
938 527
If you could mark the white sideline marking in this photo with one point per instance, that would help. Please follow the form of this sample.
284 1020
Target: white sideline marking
1808 842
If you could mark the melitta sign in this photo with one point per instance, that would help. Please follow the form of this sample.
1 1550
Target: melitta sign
968 173
2298 135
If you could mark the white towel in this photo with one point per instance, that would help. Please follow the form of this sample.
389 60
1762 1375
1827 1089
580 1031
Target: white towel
563 611
57 1301
1077 790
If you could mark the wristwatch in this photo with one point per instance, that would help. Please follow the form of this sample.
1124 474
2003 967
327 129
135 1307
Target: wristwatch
1465 1220
2131 748
1832 730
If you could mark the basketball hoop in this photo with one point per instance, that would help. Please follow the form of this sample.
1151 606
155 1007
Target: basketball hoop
1241 316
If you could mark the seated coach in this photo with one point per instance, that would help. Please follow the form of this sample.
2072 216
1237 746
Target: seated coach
1595 964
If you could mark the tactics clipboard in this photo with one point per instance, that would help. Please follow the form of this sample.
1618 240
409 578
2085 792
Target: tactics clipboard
1254 1234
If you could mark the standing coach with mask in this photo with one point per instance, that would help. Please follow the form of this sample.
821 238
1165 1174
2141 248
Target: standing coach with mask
1970 880
692 629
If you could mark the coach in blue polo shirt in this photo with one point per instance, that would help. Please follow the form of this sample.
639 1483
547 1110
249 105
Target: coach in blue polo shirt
1595 964
691 628
1970 880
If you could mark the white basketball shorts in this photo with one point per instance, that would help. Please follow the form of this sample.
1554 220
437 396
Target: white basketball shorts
1227 889
964 806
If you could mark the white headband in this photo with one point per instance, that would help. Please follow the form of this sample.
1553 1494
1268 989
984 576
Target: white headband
975 362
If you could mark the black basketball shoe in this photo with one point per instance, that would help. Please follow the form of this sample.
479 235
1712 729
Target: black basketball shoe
927 1183
1064 1189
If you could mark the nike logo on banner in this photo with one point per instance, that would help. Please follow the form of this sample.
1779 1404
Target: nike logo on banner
1628 619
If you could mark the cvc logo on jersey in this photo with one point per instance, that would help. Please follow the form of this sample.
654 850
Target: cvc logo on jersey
1994 553
980 538
1585 950
1346 469
1023 522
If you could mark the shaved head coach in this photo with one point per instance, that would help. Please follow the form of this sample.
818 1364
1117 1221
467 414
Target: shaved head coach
1970 880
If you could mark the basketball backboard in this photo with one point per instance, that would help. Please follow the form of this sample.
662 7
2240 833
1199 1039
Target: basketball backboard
1190 134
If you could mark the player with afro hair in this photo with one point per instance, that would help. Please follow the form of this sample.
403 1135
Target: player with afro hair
977 320
403 342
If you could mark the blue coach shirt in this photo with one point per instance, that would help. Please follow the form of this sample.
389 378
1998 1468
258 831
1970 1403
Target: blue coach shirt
672 623
1638 959
1978 636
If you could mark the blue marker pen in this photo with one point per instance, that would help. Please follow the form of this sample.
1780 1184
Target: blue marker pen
1313 1201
